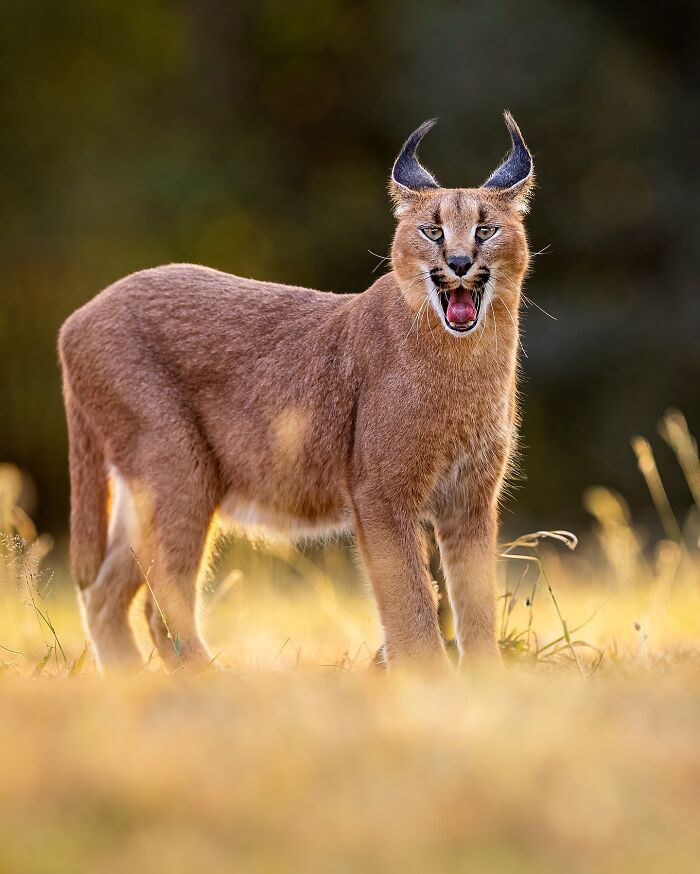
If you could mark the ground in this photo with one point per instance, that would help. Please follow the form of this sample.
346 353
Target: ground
581 754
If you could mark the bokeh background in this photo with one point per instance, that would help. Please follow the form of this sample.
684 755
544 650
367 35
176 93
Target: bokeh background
257 138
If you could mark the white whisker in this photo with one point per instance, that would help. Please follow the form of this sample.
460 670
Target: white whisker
483 331
517 331
535 304
382 259
528 300
495 332
427 316
417 317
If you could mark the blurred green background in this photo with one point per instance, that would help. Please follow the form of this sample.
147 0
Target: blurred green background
257 138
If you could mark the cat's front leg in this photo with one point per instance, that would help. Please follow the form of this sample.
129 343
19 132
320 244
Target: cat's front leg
392 547
467 544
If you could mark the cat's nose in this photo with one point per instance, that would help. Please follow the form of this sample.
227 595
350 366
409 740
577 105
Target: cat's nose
459 264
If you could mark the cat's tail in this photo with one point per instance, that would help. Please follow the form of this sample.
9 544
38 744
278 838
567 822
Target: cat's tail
89 487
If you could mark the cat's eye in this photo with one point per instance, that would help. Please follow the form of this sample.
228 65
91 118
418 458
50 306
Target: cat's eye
485 232
432 232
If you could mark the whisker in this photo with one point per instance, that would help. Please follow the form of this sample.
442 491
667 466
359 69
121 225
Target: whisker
483 331
427 316
425 274
420 316
495 332
528 300
382 259
533 303
504 278
416 280
415 319
517 331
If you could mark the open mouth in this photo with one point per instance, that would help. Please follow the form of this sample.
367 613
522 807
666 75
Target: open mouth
461 307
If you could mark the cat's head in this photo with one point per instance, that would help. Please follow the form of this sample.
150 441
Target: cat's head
456 249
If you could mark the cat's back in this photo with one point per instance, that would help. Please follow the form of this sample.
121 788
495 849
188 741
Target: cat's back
189 292
196 307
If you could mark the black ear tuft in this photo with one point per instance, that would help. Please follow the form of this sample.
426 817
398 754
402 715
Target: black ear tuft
516 169
407 172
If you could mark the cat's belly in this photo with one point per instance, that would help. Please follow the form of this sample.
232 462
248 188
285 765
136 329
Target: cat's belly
258 519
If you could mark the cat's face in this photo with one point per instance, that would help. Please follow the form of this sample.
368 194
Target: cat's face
455 250
457 246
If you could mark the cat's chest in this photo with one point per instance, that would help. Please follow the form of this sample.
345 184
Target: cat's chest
479 439
474 449
477 416
462 420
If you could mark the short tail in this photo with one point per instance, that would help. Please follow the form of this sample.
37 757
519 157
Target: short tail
89 487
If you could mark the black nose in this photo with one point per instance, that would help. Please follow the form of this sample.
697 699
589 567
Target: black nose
460 264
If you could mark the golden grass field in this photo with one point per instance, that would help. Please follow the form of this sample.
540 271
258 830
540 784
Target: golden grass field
582 755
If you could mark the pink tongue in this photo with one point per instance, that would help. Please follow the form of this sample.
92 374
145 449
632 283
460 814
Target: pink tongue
461 312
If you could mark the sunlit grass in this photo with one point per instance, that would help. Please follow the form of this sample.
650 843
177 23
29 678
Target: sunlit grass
582 755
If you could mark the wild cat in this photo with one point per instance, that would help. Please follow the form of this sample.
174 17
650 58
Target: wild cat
190 393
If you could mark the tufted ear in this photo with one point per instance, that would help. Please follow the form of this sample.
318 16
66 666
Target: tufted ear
515 177
408 178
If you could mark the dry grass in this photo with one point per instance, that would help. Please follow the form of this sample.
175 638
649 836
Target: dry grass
584 755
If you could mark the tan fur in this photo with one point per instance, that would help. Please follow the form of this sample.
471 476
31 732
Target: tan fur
198 392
